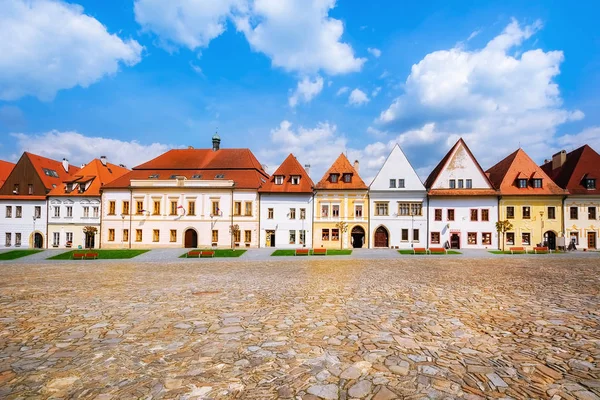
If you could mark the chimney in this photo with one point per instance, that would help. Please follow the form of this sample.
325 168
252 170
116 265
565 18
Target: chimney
82 165
559 159
190 147
356 165
66 164
103 160
122 166
307 169
216 140
546 161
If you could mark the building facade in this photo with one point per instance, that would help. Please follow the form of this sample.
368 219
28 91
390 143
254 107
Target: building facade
578 172
529 200
463 204
341 208
286 207
398 205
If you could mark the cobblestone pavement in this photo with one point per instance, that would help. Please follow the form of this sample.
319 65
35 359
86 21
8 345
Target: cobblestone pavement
313 328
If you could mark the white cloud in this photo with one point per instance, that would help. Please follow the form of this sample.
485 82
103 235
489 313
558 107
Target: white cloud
487 95
376 91
590 136
357 98
342 90
306 91
80 149
52 45
473 34
374 52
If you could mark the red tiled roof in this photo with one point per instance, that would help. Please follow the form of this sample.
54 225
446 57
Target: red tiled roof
341 166
290 167
96 172
518 164
40 163
463 192
579 163
21 197
204 159
5 170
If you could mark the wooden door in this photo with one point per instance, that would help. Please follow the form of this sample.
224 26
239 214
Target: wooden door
381 237
455 241
591 240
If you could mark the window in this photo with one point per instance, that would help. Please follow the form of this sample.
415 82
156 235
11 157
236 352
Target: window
248 205
590 184
526 212
438 214
510 212
96 211
156 210
247 236
7 240
324 211
173 210
191 207
237 235
125 235
461 184
295 180
452 184
279 180
435 238
18 211
324 234
292 237
451 214
335 234
215 236
526 238
111 235
303 213
551 212
50 172
111 207
573 212
8 211
139 207
333 178
155 235
138 235
405 209
173 235
86 212
381 208
537 183
30 189
591 212
522 183
574 237
16 188
18 239
270 213
215 208
510 238
237 208
292 213
220 176
404 236
302 237
401 183
55 239
358 210
485 215
37 212
125 208
486 238
416 209
474 214
56 211
392 183
347 178
415 235
70 211
471 237
70 237
469 183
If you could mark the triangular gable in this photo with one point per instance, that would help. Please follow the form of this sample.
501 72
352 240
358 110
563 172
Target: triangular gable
579 163
340 167
397 166
289 168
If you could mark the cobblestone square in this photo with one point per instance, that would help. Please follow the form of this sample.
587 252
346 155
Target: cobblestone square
518 327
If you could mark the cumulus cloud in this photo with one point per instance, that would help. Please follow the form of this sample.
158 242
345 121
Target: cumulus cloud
374 52
497 94
357 98
50 45
306 91
590 135
79 149
342 90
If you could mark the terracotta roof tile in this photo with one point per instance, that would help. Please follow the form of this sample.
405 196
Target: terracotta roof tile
463 192
41 163
340 167
5 170
96 172
204 159
290 167
580 163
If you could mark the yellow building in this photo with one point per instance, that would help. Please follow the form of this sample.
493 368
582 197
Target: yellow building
341 208
530 200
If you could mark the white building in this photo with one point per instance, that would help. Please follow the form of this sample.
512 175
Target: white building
463 204
75 205
23 205
398 205
286 207
185 198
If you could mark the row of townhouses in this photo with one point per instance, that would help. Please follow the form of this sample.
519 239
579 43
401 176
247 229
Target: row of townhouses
224 198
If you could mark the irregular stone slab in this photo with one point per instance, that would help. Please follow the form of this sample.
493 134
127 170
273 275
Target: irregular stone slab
324 391
360 389
231 329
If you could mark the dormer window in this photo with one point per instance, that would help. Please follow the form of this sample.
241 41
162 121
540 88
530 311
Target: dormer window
153 176
522 183
537 183
347 178
196 176
334 178
279 180
295 180
219 176
590 184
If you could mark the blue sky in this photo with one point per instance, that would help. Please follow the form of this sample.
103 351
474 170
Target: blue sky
131 79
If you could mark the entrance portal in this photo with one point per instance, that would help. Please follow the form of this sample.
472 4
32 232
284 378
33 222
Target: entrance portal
358 237
550 240
270 239
381 237
191 239
90 240
38 240
455 241
592 240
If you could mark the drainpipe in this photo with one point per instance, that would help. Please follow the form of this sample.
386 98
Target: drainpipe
259 218
231 229
47 217
312 241
130 209
100 229
499 199
564 215
428 237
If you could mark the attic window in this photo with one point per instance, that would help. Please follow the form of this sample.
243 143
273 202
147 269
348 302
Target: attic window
333 178
590 184
522 183
153 176
347 178
50 172
279 180
537 183
219 176
196 176
295 180
173 177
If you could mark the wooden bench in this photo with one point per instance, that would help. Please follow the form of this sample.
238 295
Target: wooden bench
419 250
78 256
541 250
193 253
207 253
91 256
84 256
437 250
514 250
319 252
301 252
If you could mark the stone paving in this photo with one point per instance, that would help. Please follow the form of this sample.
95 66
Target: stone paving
411 328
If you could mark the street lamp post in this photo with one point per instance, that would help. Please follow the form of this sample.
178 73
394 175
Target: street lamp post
33 234
541 228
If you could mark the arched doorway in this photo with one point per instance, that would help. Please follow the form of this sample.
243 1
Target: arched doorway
38 240
358 237
382 237
190 239
550 240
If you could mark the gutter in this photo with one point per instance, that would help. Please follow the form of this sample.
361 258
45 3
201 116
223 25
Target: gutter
428 211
